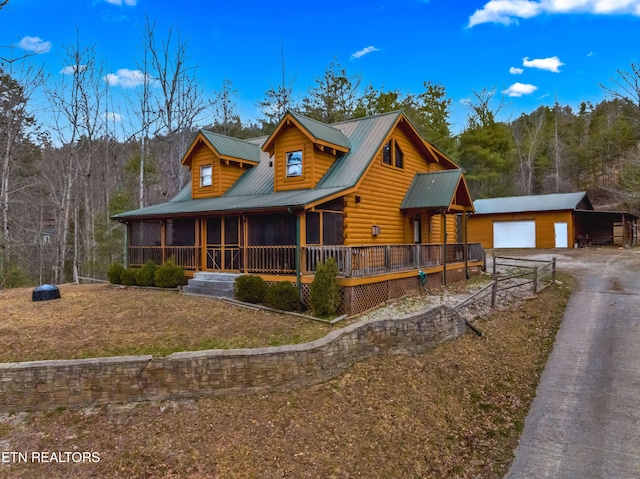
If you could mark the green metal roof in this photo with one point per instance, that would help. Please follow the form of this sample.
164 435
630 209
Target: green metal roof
516 204
232 147
254 189
321 131
295 199
432 190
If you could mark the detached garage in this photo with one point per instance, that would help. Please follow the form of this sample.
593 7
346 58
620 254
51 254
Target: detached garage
547 221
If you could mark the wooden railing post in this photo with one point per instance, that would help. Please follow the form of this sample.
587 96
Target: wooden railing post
494 292
535 280
553 270
494 265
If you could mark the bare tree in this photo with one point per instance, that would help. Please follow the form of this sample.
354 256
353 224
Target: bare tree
17 85
180 103
78 121
528 134
627 88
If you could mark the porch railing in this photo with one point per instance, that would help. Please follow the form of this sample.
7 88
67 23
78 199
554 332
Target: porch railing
353 261
185 256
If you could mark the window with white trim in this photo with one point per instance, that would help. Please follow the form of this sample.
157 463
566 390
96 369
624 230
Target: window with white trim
205 175
294 163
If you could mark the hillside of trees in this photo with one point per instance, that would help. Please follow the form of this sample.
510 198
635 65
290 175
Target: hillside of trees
63 173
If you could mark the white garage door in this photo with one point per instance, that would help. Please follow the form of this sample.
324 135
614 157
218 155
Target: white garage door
514 234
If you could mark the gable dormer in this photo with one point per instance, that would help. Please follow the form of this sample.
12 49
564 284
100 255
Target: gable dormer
217 162
302 150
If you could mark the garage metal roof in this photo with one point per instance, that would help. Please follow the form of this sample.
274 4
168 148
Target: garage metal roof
518 204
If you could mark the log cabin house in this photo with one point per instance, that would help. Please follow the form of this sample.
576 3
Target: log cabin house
370 192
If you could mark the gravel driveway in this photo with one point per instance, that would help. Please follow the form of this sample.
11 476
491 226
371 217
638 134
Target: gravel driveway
585 419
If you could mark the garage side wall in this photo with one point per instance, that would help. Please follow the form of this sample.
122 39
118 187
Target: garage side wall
480 227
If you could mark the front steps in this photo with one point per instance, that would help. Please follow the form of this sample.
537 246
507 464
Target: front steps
211 284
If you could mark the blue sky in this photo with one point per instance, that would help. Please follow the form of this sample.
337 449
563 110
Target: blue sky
529 50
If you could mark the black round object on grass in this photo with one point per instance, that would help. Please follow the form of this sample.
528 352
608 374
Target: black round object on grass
45 292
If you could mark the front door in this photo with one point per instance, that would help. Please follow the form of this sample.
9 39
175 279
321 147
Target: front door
223 244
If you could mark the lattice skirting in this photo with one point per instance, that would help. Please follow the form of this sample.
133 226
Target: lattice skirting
358 299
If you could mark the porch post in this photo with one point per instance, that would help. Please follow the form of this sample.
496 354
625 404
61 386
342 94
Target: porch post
298 255
465 240
126 245
443 221
163 241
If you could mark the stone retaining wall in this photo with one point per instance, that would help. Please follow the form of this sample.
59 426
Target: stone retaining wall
86 382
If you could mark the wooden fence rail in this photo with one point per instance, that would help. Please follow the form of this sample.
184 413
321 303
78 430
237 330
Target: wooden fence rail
502 282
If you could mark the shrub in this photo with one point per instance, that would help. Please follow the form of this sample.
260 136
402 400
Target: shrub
169 275
283 296
250 289
324 297
145 276
15 278
115 273
128 277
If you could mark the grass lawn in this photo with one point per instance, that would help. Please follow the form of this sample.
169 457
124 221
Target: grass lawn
456 411
99 320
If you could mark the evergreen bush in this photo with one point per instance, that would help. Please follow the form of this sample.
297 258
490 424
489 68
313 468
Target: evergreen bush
169 275
128 277
283 296
324 291
145 276
250 289
115 273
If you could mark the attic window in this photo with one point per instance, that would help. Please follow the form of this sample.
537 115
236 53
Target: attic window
392 154
294 163
386 153
399 157
205 175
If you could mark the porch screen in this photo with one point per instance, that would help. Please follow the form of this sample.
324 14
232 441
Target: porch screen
181 232
332 225
144 233
272 230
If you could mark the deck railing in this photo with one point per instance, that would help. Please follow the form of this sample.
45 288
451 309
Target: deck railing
353 261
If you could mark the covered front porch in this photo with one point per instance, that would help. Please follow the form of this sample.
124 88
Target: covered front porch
269 245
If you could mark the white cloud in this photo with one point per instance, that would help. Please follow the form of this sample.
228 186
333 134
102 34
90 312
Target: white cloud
125 78
519 89
111 116
129 3
551 64
516 71
509 11
71 69
364 51
35 44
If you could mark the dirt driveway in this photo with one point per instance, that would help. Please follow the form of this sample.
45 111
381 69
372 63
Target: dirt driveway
585 419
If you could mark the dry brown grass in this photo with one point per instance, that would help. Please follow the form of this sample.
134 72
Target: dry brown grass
454 412
98 320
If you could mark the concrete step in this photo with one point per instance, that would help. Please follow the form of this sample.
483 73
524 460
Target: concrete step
211 284
219 277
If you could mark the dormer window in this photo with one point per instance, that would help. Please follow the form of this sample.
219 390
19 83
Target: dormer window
205 175
294 163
